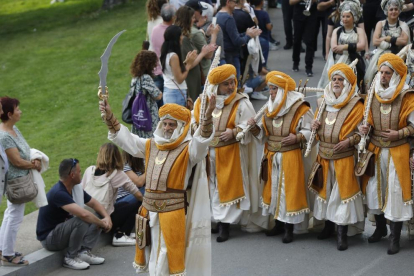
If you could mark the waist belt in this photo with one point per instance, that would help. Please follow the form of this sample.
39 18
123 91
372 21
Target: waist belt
274 144
326 151
376 139
164 202
216 143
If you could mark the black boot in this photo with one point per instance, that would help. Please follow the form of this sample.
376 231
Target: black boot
288 237
215 230
223 232
380 230
327 230
342 238
394 238
278 229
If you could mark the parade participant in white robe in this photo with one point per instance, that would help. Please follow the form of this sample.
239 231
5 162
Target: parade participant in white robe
284 129
180 236
390 36
391 117
339 199
233 169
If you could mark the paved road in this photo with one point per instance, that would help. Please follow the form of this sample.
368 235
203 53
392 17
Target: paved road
255 254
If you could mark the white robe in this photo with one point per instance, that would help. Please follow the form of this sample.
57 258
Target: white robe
390 189
304 127
198 235
249 205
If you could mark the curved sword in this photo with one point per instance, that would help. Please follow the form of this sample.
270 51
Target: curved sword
104 62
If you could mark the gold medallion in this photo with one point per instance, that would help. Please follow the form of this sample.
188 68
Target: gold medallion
385 111
330 122
217 115
215 141
158 161
274 146
159 207
277 124
327 152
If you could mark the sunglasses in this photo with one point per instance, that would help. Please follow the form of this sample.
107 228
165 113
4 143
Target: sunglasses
74 162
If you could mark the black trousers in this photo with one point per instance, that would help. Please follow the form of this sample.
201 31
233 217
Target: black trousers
304 30
371 18
321 21
123 217
287 11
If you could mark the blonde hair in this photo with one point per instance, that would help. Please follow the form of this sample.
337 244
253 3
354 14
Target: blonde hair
109 158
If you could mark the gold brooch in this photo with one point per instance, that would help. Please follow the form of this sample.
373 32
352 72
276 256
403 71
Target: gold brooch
215 141
384 143
385 111
277 124
158 161
330 122
159 207
217 115
274 146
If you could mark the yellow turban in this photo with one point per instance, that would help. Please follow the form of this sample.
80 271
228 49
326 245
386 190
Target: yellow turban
350 76
221 74
399 67
176 111
283 81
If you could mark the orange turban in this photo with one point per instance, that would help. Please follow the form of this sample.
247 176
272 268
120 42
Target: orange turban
222 73
176 111
399 67
283 81
350 76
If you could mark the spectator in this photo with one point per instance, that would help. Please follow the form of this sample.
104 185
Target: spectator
4 165
135 170
154 16
64 223
194 39
287 11
18 154
141 71
173 68
168 18
265 25
213 35
108 174
233 40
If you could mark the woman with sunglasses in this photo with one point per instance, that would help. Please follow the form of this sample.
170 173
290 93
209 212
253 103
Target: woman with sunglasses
18 154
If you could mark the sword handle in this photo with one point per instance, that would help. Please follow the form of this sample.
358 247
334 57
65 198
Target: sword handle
102 97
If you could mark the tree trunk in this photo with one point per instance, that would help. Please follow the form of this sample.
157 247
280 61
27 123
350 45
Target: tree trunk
109 4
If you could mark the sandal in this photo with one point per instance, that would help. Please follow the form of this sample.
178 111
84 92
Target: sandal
13 260
18 254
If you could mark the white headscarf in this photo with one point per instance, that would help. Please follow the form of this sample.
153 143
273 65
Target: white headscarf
159 132
329 95
212 90
387 93
291 98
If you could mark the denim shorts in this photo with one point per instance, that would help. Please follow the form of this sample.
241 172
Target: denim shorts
174 96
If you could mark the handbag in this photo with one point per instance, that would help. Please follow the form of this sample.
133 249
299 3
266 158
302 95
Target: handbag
189 103
127 105
141 116
99 190
316 176
22 189
366 165
143 230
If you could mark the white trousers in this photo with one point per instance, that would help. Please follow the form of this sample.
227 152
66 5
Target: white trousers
13 217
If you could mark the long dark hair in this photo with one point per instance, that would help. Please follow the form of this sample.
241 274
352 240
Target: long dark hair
136 164
184 17
171 44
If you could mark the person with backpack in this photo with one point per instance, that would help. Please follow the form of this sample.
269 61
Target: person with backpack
102 183
144 108
64 223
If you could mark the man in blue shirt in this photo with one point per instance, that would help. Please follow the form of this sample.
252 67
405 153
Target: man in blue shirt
64 223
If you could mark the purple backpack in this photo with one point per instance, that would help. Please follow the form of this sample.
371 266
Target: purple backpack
141 116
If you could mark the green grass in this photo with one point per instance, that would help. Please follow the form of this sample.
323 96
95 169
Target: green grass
53 71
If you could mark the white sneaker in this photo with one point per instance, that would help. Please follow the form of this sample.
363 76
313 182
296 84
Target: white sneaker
75 263
247 89
123 241
258 96
273 47
90 258
132 235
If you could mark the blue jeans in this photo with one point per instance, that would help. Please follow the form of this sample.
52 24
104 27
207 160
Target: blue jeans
174 96
264 43
159 83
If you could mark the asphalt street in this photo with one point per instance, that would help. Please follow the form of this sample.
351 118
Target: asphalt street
255 254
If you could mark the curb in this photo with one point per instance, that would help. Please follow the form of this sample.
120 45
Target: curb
42 262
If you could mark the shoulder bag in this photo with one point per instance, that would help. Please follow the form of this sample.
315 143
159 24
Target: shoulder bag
22 189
